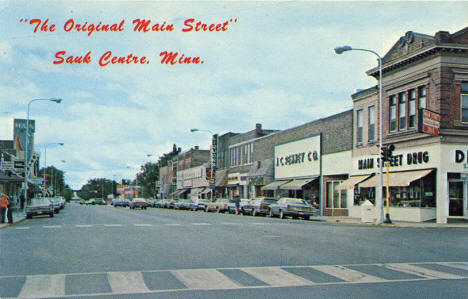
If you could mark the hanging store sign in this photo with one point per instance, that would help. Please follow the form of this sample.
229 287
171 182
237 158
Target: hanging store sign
299 158
214 152
430 122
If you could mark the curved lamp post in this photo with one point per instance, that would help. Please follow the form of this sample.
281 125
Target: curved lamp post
26 158
379 203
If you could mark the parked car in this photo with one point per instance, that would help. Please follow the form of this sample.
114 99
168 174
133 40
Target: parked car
40 206
56 203
62 201
221 205
258 206
120 202
99 201
294 207
182 204
199 204
245 206
82 201
138 203
151 203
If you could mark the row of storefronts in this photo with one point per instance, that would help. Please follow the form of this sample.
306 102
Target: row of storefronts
334 162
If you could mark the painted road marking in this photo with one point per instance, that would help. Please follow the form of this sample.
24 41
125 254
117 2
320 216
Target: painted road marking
23 227
205 279
52 226
43 286
53 286
277 277
112 225
347 274
127 282
424 272
83 225
201 223
172 224
143 224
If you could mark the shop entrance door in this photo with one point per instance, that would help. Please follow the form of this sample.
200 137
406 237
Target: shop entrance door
457 199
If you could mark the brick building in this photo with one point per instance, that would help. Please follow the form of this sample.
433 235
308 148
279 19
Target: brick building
425 116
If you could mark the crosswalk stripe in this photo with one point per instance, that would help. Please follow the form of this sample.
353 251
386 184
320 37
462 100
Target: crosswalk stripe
277 277
172 224
83 225
463 266
347 274
143 224
23 227
112 225
420 271
127 282
201 223
52 226
204 279
43 286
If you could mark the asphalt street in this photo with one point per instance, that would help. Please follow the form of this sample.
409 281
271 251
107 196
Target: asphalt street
102 251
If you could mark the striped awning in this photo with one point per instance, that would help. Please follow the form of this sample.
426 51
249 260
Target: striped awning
297 184
396 179
351 182
274 185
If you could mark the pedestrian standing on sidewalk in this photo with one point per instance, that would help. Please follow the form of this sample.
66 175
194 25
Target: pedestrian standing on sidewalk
3 207
237 201
22 199
9 212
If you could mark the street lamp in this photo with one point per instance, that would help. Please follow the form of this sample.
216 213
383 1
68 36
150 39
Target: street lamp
379 203
211 158
45 160
26 160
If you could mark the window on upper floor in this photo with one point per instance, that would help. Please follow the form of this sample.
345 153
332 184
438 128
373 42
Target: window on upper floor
422 96
359 126
392 112
371 123
464 102
412 109
402 111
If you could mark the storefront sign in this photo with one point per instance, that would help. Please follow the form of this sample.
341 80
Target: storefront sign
464 176
19 134
298 158
412 158
214 152
430 122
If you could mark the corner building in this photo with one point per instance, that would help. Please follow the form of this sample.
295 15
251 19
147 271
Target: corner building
425 116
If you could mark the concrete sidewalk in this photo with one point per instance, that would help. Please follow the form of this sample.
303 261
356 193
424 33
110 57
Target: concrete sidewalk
18 216
357 221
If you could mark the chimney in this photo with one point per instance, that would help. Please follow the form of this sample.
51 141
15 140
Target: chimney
258 128
196 147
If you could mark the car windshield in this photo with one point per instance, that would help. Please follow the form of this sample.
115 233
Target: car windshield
296 201
40 201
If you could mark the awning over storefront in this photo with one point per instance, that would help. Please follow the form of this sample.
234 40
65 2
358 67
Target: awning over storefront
221 178
206 191
179 192
274 185
196 191
351 181
397 179
297 184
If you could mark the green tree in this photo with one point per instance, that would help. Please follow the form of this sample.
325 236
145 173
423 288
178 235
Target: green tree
98 188
147 177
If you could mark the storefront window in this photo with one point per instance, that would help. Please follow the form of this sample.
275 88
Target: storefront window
336 199
420 193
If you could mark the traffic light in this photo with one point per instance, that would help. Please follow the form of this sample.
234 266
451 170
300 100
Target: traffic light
387 152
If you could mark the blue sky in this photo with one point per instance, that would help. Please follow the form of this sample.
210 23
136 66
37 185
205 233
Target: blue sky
275 66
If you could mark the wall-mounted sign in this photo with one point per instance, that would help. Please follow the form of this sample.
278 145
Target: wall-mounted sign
429 122
406 159
299 158
214 152
19 134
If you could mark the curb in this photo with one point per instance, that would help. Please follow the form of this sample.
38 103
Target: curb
3 225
